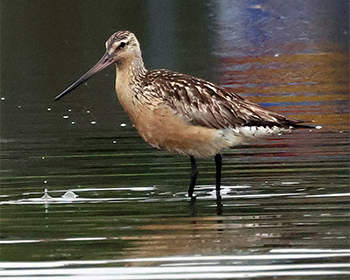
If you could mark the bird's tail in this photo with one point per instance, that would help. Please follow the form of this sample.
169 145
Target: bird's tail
303 124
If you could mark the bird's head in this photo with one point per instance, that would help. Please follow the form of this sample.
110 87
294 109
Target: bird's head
121 47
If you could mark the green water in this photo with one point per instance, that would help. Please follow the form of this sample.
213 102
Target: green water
285 200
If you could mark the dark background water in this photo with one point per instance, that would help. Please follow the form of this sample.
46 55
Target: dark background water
285 199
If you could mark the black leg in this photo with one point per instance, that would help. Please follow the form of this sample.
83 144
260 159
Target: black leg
194 173
218 163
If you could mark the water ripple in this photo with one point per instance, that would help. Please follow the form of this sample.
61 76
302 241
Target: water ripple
188 267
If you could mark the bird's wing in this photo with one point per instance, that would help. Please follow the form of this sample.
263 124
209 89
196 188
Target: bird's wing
205 104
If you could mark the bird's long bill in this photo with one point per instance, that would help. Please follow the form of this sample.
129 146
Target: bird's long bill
105 61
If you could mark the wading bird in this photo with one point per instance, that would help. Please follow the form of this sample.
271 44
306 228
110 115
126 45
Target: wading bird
181 113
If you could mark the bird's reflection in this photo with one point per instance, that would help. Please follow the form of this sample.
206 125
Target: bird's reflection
219 206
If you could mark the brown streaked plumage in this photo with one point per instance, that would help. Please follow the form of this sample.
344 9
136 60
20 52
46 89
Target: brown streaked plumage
180 113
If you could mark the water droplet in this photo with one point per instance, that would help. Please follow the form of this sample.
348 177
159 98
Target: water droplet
123 124
69 195
72 123
3 98
48 109
46 195
65 117
93 122
87 112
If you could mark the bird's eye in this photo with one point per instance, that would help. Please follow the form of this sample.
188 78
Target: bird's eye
122 45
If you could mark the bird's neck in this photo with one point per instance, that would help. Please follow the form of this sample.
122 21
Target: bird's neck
128 75
130 69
